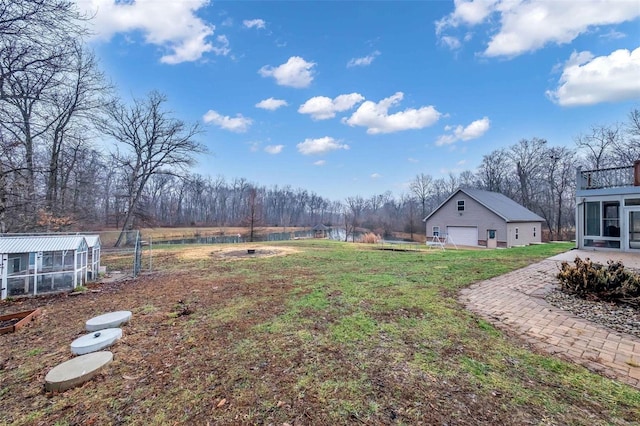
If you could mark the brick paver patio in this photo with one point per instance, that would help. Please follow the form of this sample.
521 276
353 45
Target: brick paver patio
515 302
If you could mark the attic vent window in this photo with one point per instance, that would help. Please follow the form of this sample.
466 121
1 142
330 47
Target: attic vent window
460 205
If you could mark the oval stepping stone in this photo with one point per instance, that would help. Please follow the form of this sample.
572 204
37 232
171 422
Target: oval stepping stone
110 320
95 341
76 371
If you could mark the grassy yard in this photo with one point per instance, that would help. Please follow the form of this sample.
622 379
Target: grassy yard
323 333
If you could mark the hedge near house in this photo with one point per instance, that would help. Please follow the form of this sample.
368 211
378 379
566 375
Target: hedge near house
592 280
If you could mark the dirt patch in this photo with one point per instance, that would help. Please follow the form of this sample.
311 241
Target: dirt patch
234 252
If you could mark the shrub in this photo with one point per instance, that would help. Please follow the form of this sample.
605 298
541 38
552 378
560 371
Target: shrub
370 238
591 279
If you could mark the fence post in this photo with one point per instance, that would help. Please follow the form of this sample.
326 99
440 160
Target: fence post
150 253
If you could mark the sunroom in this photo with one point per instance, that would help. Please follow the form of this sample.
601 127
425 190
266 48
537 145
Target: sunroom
34 265
608 209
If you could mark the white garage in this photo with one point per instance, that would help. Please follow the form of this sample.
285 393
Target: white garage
463 235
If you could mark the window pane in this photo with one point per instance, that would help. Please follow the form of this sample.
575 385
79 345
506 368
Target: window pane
592 218
611 219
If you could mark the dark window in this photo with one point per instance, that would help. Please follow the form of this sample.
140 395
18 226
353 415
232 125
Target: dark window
516 233
611 219
592 218
534 231
461 205
436 231
492 234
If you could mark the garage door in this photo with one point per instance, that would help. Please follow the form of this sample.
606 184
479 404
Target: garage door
463 235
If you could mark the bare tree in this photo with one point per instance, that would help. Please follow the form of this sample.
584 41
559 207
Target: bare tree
560 179
151 142
38 39
355 206
628 147
74 107
254 212
527 155
422 188
598 145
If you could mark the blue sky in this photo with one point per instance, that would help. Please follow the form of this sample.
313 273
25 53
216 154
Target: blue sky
357 98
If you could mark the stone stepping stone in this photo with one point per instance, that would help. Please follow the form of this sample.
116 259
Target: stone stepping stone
110 320
95 341
76 371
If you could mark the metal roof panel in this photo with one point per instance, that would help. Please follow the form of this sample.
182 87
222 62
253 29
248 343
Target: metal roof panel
31 244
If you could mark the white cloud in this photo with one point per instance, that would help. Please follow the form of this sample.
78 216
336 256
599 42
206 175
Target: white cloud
222 47
613 35
254 23
271 104
466 12
364 61
525 26
376 118
451 42
320 146
320 163
588 80
237 124
296 72
413 160
273 149
322 108
472 131
172 25
376 176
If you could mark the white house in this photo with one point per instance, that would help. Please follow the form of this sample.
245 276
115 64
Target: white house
608 209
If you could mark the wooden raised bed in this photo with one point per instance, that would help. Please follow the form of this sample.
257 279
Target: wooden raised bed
13 322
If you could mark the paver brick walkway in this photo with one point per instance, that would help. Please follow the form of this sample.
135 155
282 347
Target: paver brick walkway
515 302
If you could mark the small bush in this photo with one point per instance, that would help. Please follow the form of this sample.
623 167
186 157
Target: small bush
370 238
589 279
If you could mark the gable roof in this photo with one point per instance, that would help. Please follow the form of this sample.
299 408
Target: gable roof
32 244
499 204
92 240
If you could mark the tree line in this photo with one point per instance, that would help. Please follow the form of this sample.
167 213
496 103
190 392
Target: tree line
55 102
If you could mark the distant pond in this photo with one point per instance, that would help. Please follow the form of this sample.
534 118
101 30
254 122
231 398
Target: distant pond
337 234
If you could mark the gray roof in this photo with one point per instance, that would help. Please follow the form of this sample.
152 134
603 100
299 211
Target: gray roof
31 244
500 204
92 240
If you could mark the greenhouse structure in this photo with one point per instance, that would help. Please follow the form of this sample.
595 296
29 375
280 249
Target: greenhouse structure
32 265
93 259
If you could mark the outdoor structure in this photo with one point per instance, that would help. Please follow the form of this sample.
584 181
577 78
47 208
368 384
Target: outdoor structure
93 260
608 209
320 231
32 265
472 217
